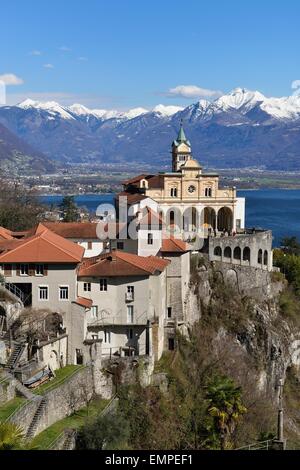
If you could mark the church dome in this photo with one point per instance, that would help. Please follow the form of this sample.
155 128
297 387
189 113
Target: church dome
191 163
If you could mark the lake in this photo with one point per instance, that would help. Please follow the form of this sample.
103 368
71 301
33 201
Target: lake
275 209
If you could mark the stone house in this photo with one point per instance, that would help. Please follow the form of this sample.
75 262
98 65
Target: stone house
128 296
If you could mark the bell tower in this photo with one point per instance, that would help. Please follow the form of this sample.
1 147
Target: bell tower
181 150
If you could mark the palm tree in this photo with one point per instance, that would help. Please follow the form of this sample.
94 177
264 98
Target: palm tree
225 407
11 437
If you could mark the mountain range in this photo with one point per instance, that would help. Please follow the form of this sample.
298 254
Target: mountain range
240 129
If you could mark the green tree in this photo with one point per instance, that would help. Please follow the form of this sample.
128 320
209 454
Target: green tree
290 245
70 209
109 432
225 407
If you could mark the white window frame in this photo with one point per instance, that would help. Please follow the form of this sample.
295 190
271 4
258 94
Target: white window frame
39 293
43 270
130 314
24 274
59 293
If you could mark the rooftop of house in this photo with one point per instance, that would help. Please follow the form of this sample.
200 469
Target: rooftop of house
83 230
5 234
44 246
119 263
173 245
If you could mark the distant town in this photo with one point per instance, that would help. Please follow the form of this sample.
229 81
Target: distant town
81 179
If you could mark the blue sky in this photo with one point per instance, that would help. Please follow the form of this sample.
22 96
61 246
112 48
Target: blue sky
127 53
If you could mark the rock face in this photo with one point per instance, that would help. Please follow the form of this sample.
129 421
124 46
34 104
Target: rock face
250 334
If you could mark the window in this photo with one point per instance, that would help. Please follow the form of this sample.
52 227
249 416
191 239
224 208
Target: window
171 344
24 270
94 311
208 192
173 192
103 285
95 337
130 293
238 224
129 313
107 336
182 158
87 287
130 333
90 245
120 245
150 239
39 270
43 292
63 293
169 312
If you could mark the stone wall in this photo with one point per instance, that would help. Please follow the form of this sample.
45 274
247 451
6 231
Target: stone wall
250 249
7 391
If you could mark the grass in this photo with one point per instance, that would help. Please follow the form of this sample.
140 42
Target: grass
60 376
43 440
9 407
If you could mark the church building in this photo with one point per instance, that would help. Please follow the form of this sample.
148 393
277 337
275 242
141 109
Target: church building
189 200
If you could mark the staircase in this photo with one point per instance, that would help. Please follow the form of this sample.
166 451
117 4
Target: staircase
15 356
36 418
70 440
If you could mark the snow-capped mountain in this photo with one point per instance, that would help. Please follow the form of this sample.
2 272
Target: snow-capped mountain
241 128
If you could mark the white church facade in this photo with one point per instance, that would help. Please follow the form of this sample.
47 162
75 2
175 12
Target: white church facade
190 201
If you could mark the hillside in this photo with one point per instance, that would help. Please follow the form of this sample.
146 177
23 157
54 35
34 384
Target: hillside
240 129
18 157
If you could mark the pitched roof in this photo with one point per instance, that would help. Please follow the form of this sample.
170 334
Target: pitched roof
132 198
173 245
119 263
73 229
87 303
83 230
5 234
42 247
135 179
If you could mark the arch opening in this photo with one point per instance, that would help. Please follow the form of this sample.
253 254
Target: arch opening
225 220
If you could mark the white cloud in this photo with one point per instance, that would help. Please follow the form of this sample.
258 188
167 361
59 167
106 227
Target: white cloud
65 49
193 91
82 59
35 53
11 79
48 66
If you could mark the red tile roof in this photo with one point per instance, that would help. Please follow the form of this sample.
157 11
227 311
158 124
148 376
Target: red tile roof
135 179
87 303
119 263
132 198
43 247
173 245
5 234
83 230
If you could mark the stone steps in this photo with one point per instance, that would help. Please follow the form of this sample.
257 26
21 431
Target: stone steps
36 418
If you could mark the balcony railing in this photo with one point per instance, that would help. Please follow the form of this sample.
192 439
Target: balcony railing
14 290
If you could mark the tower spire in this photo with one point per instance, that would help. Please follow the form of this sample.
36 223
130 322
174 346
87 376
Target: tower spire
181 135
